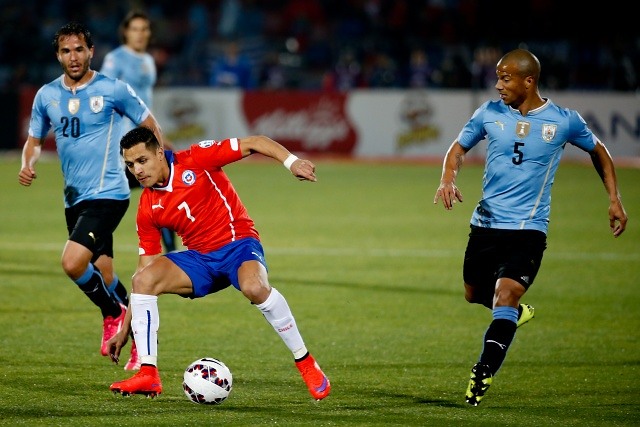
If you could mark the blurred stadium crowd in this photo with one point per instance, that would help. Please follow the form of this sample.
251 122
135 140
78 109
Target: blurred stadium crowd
337 44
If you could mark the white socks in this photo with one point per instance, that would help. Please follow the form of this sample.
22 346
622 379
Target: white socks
145 322
276 310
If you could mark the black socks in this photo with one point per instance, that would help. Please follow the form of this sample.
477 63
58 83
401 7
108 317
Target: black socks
497 340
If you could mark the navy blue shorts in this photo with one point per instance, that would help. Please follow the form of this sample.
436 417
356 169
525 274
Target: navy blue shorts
214 271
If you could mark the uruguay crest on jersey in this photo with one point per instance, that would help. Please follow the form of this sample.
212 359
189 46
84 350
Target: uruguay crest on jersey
96 103
548 132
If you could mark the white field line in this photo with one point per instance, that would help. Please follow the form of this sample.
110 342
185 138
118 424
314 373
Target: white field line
341 252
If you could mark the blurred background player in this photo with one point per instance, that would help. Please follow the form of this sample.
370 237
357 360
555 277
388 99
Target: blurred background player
85 110
131 63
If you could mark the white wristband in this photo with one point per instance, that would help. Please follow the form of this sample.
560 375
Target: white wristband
289 161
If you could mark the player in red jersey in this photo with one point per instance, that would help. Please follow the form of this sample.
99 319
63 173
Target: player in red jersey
188 192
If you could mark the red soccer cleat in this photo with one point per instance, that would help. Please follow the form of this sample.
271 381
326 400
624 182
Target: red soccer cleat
146 381
110 327
133 364
316 381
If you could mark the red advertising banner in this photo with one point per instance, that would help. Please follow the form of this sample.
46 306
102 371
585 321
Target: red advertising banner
310 122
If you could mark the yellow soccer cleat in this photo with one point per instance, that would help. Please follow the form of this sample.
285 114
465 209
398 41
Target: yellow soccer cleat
479 383
526 313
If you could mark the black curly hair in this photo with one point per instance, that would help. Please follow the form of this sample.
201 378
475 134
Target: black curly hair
72 29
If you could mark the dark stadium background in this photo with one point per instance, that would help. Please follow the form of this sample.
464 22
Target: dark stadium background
336 44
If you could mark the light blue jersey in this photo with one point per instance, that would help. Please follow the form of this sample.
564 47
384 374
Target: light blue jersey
137 69
87 128
523 155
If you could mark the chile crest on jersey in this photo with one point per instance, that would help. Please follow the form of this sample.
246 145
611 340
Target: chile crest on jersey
188 177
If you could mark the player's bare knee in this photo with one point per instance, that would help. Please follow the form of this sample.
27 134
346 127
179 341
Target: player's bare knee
142 283
72 267
255 291
508 293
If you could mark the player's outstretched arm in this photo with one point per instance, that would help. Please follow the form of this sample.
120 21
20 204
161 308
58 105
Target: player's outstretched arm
447 190
302 169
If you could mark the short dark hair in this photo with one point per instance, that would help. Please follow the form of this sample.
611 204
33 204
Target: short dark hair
126 21
141 134
72 29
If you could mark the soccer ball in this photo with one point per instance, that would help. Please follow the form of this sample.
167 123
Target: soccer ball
207 381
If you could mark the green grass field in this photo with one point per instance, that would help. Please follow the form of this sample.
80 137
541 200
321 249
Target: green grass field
372 271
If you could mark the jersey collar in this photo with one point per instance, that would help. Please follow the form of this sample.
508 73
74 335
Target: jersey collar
168 154
81 87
